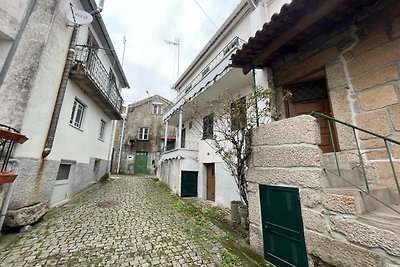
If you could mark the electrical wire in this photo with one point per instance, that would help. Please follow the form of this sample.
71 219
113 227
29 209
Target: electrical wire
205 13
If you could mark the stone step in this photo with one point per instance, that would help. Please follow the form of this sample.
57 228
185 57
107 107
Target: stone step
345 159
351 200
378 229
346 178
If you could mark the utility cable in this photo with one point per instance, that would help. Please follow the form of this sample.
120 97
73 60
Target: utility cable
205 13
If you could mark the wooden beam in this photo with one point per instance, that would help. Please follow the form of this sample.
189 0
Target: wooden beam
305 22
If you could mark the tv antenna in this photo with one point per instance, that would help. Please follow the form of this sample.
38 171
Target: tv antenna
176 43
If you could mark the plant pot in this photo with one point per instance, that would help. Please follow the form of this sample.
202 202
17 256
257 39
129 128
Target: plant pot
244 215
235 210
16 137
6 178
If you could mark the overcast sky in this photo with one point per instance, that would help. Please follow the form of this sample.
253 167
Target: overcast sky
150 64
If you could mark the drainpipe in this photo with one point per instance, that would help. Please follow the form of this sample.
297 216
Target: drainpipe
15 43
120 143
63 85
99 8
255 97
61 93
10 187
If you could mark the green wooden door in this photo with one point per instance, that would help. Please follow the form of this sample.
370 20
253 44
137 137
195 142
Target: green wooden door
282 223
141 162
188 184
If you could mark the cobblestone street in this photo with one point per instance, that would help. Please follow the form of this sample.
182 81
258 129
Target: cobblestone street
129 221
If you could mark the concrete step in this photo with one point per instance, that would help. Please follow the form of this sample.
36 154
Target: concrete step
351 200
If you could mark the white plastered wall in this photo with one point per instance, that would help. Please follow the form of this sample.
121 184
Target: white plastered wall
69 140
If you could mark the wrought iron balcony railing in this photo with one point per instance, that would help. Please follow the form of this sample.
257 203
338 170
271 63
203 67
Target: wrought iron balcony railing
8 137
87 60
233 45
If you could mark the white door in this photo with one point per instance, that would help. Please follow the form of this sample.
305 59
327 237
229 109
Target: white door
60 191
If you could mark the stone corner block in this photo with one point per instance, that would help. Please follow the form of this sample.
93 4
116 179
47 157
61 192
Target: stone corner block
287 156
339 253
256 239
300 129
297 177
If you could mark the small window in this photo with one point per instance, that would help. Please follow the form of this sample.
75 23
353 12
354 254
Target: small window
78 110
96 165
143 134
157 109
208 126
238 114
63 172
102 129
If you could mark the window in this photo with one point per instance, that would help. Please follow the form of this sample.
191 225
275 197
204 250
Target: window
208 126
102 129
157 109
63 172
238 114
143 134
77 114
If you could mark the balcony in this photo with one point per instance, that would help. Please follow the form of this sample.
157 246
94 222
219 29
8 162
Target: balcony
189 150
92 77
215 70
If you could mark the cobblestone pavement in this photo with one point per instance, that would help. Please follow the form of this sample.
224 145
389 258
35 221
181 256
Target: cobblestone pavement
129 221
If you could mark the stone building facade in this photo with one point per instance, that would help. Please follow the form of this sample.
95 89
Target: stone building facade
144 135
353 49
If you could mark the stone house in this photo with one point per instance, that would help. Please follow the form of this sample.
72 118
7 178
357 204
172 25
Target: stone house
335 182
144 135
59 85
193 168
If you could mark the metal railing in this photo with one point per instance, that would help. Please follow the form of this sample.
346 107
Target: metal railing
233 45
186 145
8 137
387 141
94 68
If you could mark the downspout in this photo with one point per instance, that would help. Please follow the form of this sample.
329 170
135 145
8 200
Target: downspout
120 143
60 95
9 191
15 43
99 9
63 86
255 97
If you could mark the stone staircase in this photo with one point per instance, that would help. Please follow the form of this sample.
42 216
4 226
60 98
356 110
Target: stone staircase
356 217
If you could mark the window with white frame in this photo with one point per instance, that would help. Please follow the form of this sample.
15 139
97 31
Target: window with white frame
143 133
102 129
78 110
157 109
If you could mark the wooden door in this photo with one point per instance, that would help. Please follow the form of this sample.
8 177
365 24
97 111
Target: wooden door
282 224
308 97
210 181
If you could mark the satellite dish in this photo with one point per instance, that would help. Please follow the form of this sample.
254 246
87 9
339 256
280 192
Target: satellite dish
79 17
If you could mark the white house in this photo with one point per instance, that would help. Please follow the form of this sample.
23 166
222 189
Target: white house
60 85
193 168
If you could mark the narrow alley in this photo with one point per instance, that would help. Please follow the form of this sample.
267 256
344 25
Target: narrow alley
128 221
